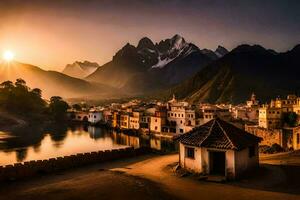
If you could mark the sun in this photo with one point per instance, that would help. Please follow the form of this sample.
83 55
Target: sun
8 55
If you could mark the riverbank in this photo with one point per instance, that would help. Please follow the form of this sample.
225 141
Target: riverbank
152 175
9 122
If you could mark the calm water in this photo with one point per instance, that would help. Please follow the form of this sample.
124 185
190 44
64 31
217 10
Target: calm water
37 143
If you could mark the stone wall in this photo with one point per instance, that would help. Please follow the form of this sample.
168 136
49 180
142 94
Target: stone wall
39 167
269 136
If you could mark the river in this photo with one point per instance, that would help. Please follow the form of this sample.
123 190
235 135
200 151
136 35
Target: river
38 143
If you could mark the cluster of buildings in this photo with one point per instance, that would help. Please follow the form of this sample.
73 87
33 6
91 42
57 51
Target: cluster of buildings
220 148
171 117
209 143
272 125
178 117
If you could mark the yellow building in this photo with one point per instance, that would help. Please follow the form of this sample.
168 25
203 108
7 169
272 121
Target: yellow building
158 120
296 138
116 120
269 117
124 120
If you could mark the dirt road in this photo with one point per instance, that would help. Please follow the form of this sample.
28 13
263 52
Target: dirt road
186 188
148 177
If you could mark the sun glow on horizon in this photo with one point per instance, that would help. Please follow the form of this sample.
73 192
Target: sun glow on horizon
8 55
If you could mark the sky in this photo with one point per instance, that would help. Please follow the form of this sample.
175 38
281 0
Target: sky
53 33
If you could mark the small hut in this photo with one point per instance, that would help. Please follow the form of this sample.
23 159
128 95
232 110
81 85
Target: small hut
218 148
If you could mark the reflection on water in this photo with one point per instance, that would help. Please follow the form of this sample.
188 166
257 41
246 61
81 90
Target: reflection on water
37 143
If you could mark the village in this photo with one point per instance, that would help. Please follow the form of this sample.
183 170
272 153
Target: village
214 139
276 123
224 151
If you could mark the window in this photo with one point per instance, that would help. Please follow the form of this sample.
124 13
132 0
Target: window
251 151
181 130
298 138
190 152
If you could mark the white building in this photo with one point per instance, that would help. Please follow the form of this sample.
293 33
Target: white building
95 117
134 120
218 148
181 116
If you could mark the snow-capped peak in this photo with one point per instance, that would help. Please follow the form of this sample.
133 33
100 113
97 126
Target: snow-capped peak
177 42
80 69
221 51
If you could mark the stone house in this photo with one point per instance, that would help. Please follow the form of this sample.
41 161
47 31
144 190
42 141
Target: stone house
218 148
159 120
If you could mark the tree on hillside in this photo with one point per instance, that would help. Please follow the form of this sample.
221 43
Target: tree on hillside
58 108
76 107
290 118
37 92
19 99
7 85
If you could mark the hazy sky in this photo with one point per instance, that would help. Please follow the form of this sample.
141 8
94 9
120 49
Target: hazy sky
53 33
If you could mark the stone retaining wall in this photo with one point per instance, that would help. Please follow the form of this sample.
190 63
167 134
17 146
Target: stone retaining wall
39 167
283 137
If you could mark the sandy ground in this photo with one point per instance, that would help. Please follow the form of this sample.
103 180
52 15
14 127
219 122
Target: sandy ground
148 177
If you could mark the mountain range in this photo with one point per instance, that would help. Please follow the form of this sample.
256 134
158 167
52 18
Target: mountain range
244 70
80 69
149 67
171 66
52 83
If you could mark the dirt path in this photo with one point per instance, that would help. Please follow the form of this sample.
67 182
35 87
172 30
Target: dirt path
88 183
145 177
186 188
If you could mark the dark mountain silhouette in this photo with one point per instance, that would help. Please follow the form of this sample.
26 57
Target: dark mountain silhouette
152 66
244 70
52 83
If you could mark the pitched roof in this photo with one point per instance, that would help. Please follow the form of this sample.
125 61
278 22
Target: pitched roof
218 134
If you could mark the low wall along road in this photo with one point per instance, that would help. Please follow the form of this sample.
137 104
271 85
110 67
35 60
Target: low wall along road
38 167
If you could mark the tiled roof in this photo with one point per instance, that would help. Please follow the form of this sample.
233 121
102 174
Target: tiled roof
218 134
